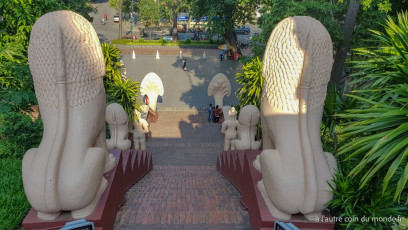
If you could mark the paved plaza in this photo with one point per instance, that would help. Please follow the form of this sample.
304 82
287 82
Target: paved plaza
183 89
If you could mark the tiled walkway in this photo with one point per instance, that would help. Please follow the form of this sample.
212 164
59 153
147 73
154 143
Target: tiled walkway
184 190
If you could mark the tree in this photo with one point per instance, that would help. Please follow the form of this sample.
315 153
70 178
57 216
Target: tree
274 11
223 16
342 49
148 14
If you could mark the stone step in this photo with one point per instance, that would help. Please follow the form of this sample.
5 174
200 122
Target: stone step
182 197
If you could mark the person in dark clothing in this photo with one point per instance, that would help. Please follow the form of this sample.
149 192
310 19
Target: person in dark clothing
184 64
218 113
210 110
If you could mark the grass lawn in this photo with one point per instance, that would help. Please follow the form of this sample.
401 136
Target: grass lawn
161 42
13 202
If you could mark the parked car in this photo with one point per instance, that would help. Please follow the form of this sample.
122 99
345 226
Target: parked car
168 38
116 18
243 29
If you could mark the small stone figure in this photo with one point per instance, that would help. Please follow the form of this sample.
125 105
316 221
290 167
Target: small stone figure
118 125
247 127
140 129
229 128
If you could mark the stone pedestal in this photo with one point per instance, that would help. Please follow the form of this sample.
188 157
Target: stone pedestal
237 167
131 166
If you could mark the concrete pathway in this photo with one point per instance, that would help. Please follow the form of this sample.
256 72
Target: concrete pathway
184 89
184 190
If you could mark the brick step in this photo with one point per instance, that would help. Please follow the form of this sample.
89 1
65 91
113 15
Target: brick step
182 197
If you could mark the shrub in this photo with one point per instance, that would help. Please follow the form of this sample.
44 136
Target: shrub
211 41
188 41
18 133
161 40
141 40
378 127
251 82
118 91
13 202
121 41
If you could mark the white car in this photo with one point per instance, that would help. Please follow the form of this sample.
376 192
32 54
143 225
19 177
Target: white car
168 38
116 18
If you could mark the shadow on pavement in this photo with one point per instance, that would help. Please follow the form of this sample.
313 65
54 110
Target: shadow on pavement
205 70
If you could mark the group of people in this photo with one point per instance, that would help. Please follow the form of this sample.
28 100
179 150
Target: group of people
214 113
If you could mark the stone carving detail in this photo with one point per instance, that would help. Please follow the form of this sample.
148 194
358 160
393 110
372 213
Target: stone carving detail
152 86
65 173
229 128
219 87
140 129
118 123
247 127
295 170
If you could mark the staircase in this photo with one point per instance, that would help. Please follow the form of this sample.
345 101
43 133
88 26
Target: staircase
184 190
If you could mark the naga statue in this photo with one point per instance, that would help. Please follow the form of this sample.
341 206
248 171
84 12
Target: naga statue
65 173
295 171
140 128
247 127
118 125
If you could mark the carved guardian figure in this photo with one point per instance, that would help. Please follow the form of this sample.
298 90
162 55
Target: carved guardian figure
295 170
246 129
65 173
229 129
118 125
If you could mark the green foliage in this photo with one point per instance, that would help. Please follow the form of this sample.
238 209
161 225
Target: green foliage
379 141
123 92
224 16
401 225
148 12
350 201
334 104
13 201
251 81
142 42
328 13
27 12
18 133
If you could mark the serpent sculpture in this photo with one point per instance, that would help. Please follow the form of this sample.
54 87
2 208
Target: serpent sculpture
140 128
229 128
295 171
65 173
246 129
118 123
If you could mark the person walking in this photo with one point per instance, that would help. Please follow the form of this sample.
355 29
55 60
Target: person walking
184 64
210 110
217 114
222 55
106 17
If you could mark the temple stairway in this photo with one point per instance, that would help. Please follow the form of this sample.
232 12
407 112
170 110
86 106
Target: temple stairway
184 190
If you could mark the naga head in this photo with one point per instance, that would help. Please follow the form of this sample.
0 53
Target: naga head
152 86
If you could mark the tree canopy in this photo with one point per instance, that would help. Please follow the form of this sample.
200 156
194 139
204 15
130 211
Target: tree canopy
223 16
